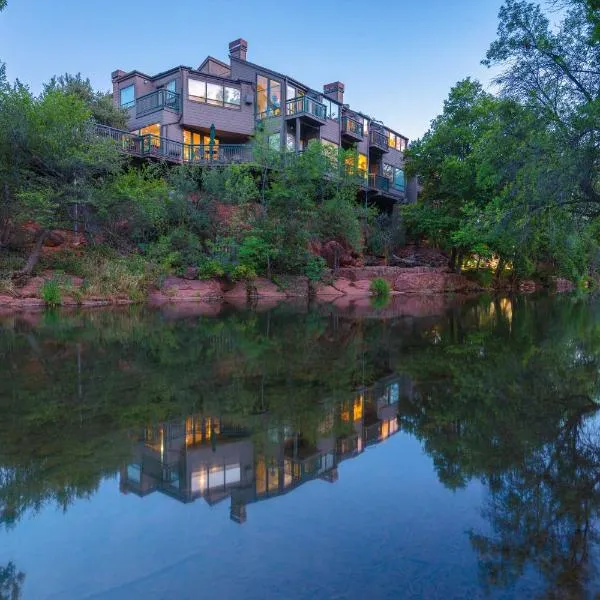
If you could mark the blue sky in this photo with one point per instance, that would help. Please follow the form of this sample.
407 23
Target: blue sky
398 58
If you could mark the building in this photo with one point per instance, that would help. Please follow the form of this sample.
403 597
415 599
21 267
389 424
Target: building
172 113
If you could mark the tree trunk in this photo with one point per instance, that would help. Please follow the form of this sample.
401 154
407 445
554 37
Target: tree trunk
459 259
499 269
453 259
34 256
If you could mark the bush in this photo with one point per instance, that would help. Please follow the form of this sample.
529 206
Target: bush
210 267
51 292
380 288
315 266
242 273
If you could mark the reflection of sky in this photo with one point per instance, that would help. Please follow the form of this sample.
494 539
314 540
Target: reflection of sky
386 526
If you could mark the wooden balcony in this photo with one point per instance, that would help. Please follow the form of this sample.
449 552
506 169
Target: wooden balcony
157 100
308 109
160 148
352 129
378 141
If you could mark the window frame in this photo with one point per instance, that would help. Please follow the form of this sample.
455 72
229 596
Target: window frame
131 103
214 101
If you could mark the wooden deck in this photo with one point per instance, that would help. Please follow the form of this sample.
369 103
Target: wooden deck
160 148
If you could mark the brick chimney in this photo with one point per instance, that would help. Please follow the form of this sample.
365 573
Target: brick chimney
335 91
238 49
116 74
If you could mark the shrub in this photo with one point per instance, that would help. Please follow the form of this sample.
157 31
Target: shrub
51 292
210 267
380 288
242 273
315 266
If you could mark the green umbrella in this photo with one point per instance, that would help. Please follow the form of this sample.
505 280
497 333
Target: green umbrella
211 143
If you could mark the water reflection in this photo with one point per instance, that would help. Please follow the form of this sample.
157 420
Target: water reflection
253 459
247 406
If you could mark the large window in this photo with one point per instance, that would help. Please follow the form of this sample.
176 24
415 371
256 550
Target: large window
275 141
215 94
399 182
172 86
333 109
396 141
128 96
388 171
197 146
268 97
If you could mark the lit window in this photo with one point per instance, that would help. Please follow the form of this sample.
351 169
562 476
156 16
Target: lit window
391 140
362 165
268 97
128 96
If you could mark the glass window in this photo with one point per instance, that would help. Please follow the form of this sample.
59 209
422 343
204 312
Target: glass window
399 178
172 86
262 84
275 141
214 94
362 164
153 129
197 89
128 96
333 109
268 97
290 92
290 141
232 96
391 140
388 171
275 97
365 127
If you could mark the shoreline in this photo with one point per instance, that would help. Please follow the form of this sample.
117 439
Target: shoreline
345 286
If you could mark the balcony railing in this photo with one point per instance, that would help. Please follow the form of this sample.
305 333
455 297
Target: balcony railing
378 139
172 151
157 100
218 153
127 142
352 127
379 182
306 105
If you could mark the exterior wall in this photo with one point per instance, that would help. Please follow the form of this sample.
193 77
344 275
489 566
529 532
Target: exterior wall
201 116
331 131
212 67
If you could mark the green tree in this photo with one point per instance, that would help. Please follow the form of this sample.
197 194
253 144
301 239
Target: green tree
100 104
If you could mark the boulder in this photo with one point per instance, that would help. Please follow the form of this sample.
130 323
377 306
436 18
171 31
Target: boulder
239 290
265 288
294 286
431 282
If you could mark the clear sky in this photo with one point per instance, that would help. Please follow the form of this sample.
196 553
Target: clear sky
397 58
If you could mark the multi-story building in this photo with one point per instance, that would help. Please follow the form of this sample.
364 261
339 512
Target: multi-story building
208 115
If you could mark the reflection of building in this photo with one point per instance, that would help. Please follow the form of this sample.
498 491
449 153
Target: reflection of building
205 457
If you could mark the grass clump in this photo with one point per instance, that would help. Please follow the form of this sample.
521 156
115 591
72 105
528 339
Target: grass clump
51 292
380 288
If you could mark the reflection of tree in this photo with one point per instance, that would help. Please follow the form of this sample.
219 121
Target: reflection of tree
512 403
543 511
11 582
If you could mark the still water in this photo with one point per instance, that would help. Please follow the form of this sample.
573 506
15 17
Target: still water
430 449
